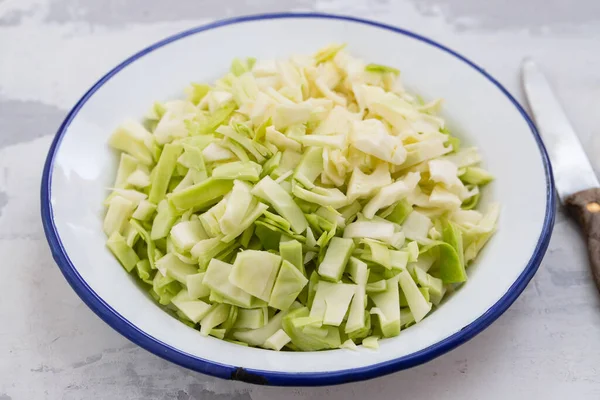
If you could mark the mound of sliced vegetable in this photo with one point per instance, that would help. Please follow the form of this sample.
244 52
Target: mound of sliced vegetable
302 204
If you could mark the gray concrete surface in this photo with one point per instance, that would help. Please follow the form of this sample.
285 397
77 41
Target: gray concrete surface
53 347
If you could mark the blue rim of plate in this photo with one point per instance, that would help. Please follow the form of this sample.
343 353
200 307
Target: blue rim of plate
131 332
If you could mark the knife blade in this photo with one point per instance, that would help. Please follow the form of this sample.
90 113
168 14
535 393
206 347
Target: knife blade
572 169
575 180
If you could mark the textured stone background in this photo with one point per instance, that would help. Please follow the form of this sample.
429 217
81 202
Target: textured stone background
53 347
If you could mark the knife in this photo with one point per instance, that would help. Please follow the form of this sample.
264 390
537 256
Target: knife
576 183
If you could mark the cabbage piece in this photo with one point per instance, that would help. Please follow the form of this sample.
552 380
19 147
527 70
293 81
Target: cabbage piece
382 69
323 241
255 272
336 258
139 179
131 235
292 80
310 167
239 67
244 88
359 274
196 92
331 302
282 141
289 160
288 285
332 197
187 233
277 340
425 150
476 176
196 287
371 342
216 316
390 106
229 322
464 157
255 210
307 339
419 307
350 211
205 249
193 309
217 279
277 221
425 260
325 78
349 344
378 253
264 68
119 212
247 236
125 254
291 251
144 271
452 235
362 185
335 167
236 206
156 112
132 138
332 215
328 53
214 153
435 286
338 121
164 220
127 166
251 319
129 194
471 202
236 149
210 219
192 177
390 194
367 229
399 259
150 246
170 265
387 308
174 125
201 194
416 226
444 171
257 337
331 141
441 197
282 202
376 287
192 158
480 235
257 150
286 115
372 137
200 142
165 288
216 118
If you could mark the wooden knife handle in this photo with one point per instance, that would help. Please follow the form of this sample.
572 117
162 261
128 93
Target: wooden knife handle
585 207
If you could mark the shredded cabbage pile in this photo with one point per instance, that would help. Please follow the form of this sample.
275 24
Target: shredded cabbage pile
302 204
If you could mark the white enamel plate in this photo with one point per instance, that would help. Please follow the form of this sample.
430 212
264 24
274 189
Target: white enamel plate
80 167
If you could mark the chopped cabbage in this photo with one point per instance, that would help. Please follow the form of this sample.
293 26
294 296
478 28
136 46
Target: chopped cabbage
304 204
